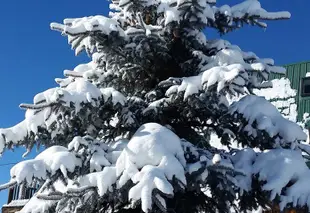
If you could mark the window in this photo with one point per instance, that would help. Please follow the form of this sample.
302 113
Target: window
305 87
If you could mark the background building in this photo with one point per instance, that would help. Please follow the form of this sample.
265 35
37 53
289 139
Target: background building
18 197
300 81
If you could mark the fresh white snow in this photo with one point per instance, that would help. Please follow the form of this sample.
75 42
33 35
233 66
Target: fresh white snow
50 160
17 203
267 117
154 156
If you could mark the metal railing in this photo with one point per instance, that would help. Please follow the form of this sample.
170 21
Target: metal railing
21 192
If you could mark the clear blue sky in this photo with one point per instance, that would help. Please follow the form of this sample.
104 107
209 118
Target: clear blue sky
32 56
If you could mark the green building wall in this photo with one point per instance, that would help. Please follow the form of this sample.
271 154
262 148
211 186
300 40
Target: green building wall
295 73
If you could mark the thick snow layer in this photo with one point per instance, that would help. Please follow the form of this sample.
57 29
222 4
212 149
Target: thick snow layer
39 114
220 76
242 161
80 31
152 158
36 205
228 54
284 171
79 26
250 8
280 89
148 30
150 139
267 117
76 92
50 160
15 133
103 180
279 167
229 68
253 8
98 151
282 96
16 203
173 14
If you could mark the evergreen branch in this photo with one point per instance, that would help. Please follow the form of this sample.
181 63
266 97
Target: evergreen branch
8 185
85 33
69 73
101 40
79 191
45 185
260 24
304 148
49 197
37 106
57 27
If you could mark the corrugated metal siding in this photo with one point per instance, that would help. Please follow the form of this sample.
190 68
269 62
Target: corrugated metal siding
304 102
295 72
276 76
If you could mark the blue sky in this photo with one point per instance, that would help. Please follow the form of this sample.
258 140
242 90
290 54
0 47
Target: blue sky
32 56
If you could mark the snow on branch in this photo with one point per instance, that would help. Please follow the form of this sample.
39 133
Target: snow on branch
84 25
153 157
153 56
229 70
60 162
232 75
46 163
81 31
225 53
157 162
282 96
8 185
282 172
260 114
44 112
284 169
248 12
36 205
153 160
253 8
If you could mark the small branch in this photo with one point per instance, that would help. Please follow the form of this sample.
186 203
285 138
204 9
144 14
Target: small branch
85 33
49 197
47 182
79 191
8 185
57 27
69 73
304 148
36 106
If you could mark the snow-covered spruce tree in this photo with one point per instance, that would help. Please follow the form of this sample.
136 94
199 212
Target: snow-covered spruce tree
130 131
